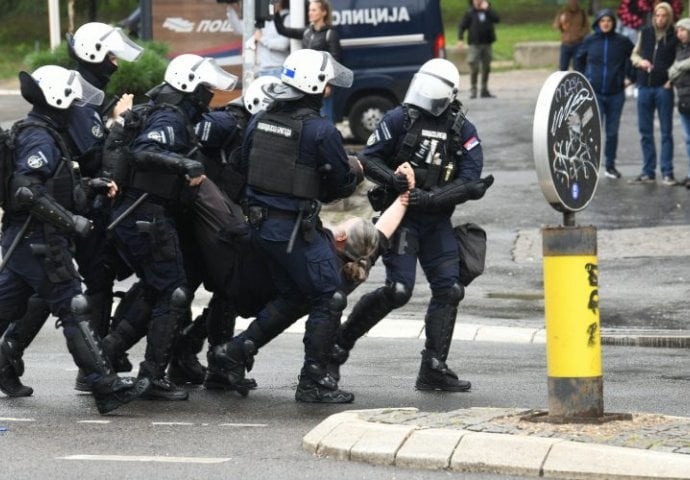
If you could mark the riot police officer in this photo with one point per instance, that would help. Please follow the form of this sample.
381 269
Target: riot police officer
220 134
162 177
295 160
431 132
38 227
97 47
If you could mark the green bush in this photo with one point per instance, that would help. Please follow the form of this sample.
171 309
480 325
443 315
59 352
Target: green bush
131 77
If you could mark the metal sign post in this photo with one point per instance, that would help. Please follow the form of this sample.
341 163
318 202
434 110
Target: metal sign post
567 144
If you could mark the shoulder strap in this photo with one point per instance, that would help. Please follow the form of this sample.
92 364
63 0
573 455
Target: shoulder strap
411 138
23 124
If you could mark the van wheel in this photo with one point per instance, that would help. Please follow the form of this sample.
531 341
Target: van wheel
366 114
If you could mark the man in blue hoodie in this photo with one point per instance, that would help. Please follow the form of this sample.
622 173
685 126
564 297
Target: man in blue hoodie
605 55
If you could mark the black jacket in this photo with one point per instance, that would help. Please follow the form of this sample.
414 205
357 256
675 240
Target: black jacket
324 40
480 26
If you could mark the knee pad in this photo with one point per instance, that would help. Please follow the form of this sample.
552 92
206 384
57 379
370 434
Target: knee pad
337 303
397 293
79 305
180 298
450 296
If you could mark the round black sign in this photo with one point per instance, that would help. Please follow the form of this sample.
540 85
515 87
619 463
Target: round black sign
566 140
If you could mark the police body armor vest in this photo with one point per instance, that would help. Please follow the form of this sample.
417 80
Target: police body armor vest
431 151
167 186
273 166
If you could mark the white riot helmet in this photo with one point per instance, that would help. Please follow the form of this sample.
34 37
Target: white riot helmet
186 72
434 86
255 98
93 41
308 71
58 87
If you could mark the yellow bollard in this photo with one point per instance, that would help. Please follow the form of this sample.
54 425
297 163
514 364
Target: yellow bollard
571 303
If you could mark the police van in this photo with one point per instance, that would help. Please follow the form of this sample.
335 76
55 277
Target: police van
384 43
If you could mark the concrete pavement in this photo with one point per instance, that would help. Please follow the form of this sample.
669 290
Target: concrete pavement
497 441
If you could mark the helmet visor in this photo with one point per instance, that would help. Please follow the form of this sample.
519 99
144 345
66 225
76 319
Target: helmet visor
430 93
89 94
121 46
212 75
342 76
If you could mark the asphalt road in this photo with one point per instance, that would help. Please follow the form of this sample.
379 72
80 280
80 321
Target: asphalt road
260 436
58 433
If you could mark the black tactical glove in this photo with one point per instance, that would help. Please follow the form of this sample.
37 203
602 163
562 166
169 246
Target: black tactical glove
400 183
421 198
478 189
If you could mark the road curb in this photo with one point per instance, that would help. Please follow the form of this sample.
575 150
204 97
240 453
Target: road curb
347 436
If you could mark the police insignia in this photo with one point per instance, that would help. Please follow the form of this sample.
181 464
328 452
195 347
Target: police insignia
37 160
97 131
373 138
156 136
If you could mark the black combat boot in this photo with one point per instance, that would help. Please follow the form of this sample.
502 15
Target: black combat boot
109 390
227 364
130 322
434 374
184 364
10 384
100 305
316 385
18 336
160 340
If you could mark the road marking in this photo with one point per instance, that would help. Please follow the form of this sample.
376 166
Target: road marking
144 458
12 419
172 423
99 422
244 425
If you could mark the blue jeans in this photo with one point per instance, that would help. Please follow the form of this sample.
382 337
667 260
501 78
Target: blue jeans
568 53
650 99
610 109
685 120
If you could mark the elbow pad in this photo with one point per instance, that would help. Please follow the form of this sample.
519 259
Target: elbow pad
379 173
456 193
48 210
169 162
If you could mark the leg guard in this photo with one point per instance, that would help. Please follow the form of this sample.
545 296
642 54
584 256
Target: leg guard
220 321
109 390
160 340
370 309
434 374
130 324
184 364
100 305
83 342
18 336
22 332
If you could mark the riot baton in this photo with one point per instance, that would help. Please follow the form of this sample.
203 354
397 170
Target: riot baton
127 212
295 229
15 242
